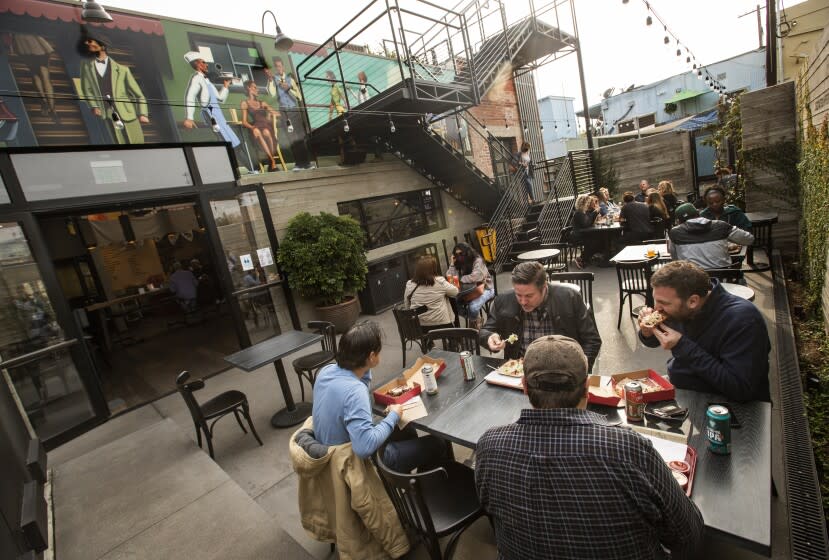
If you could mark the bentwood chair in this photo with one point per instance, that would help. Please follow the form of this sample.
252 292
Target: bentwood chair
494 276
215 409
584 282
732 274
634 279
309 366
433 504
408 327
455 340
561 262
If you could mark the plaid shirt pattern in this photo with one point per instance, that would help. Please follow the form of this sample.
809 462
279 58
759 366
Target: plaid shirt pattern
536 324
561 484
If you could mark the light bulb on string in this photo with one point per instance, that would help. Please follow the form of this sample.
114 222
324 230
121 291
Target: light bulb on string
214 124
117 122
392 128
346 128
666 40
290 126
649 20
542 127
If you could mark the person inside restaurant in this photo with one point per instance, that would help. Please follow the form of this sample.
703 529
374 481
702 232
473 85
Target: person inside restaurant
184 285
717 209
432 291
538 308
342 407
587 211
718 341
702 241
636 220
552 480
471 269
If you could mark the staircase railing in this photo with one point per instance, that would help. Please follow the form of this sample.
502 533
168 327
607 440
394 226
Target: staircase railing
328 76
507 218
560 201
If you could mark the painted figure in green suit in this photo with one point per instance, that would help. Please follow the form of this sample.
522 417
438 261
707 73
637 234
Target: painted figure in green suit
112 93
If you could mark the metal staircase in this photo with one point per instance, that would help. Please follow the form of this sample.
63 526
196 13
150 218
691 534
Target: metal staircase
437 62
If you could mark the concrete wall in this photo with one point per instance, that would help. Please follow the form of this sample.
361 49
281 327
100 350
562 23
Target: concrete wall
655 158
768 117
320 190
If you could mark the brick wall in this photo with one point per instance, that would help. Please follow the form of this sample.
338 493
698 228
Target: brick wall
498 108
320 190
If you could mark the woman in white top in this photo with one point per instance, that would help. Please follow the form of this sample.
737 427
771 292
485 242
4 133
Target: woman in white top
432 291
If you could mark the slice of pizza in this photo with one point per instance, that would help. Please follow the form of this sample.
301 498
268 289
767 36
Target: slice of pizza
512 368
652 319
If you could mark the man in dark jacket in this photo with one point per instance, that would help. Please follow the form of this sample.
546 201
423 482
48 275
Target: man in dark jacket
703 241
718 341
536 308
636 220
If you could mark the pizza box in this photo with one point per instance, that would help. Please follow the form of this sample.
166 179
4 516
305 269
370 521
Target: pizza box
405 379
599 396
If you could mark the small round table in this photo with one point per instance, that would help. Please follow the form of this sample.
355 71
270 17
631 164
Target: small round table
738 290
540 255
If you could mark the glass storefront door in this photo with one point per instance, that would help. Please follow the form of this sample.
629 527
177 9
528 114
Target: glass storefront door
246 237
40 357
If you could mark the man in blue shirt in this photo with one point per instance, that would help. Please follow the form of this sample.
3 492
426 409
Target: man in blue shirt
342 406
718 341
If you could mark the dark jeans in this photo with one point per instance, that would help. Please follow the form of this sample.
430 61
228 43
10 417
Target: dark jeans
405 451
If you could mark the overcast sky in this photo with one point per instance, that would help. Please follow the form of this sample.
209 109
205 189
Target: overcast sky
618 48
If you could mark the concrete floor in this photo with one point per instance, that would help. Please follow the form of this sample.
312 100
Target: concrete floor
265 474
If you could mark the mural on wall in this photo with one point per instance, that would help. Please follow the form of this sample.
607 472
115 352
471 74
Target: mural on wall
146 80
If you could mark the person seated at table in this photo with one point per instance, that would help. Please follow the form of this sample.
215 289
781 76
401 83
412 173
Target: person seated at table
642 195
551 481
433 292
717 209
470 267
636 220
658 213
666 189
606 206
184 285
702 241
342 407
587 211
718 341
537 308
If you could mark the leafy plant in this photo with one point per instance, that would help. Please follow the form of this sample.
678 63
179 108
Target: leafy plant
729 130
324 257
606 174
670 108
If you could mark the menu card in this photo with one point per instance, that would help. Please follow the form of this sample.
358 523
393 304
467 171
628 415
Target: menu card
412 410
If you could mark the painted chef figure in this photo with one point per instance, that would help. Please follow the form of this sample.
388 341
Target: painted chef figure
200 90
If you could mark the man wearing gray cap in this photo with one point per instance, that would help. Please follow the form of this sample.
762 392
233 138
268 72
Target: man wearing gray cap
553 479
702 241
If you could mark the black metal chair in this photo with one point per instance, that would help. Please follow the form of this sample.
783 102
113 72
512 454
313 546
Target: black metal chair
634 278
213 409
310 365
433 504
408 327
584 281
763 240
455 340
561 262
494 276
732 274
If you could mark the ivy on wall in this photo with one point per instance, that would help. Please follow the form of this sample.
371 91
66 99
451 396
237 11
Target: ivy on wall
729 131
814 204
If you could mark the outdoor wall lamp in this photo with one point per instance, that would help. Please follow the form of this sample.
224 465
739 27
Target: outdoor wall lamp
94 12
281 42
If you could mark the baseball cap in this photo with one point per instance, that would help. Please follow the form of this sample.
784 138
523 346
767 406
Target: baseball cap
686 211
555 363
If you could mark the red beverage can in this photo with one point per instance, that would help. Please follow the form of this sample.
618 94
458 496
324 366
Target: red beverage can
467 366
634 401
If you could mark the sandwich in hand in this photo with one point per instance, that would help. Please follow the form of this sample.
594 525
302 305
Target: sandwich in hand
652 319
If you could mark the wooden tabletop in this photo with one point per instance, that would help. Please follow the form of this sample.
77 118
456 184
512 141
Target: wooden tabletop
272 349
733 492
639 252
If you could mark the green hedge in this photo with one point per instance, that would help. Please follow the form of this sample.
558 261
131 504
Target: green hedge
814 201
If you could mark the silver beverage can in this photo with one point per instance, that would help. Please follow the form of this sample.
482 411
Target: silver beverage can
634 401
467 366
430 384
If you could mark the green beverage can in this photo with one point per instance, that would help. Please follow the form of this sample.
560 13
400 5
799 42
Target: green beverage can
718 429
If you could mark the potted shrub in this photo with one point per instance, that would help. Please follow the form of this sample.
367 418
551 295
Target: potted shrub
325 260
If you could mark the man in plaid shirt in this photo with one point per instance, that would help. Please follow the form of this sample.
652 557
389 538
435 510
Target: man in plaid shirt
560 483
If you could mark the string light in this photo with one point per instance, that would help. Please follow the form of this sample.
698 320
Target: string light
392 128
290 126
346 128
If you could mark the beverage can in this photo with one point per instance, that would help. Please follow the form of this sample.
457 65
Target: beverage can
467 366
430 384
634 401
718 429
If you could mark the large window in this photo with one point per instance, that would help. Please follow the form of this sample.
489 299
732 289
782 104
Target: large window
392 218
240 58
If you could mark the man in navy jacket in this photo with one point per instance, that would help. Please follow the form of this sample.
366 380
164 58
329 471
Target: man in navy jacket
719 342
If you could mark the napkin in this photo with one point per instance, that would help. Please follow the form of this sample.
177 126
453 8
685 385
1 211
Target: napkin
412 410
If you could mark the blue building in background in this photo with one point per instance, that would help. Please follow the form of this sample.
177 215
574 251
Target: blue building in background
678 96
558 123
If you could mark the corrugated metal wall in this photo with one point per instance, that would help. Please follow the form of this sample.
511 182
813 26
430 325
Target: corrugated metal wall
530 122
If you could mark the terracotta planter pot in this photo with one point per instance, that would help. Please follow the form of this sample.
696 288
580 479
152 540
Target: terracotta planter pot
343 315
